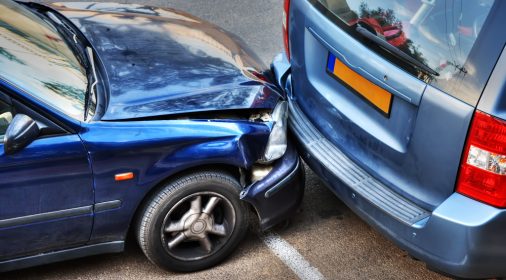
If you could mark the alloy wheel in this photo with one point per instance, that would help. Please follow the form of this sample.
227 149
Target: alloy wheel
198 226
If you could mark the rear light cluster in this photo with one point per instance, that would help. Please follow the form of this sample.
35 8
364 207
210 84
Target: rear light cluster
483 168
286 15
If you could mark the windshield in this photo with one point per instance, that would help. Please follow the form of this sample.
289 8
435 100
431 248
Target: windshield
437 33
35 58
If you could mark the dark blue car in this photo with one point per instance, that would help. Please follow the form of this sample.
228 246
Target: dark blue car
124 117
400 107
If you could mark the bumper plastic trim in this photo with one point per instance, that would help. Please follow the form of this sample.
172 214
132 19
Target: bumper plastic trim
350 173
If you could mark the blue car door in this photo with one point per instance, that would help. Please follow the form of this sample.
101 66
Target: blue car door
46 189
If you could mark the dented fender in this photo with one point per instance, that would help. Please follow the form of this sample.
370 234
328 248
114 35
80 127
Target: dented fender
156 150
277 196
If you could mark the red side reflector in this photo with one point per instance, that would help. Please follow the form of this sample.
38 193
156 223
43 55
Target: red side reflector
483 169
124 176
286 16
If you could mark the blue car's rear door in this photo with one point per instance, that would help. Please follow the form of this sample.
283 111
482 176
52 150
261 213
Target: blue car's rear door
46 192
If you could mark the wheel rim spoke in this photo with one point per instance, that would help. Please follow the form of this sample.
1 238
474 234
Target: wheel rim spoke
213 201
219 230
205 243
176 240
196 205
191 220
175 226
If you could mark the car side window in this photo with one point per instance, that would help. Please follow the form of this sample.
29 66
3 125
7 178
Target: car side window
6 115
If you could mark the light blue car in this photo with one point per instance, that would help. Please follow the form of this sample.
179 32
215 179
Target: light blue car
400 107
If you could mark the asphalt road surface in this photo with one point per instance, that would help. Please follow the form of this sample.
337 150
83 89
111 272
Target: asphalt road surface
325 240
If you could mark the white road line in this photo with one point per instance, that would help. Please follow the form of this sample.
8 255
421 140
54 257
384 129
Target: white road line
291 257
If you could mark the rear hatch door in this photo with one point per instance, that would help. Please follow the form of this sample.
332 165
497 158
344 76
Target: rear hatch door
402 119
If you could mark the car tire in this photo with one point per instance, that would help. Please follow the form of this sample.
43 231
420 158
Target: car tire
193 222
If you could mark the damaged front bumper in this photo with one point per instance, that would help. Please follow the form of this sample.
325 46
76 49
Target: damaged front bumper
277 196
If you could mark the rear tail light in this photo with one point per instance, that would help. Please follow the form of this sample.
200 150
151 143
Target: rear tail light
483 169
286 14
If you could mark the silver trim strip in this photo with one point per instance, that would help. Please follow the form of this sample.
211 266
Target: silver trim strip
359 180
107 205
29 219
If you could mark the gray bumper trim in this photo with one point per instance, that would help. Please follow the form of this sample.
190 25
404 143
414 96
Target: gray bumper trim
350 173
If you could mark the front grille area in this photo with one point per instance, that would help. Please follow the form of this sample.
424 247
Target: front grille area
350 173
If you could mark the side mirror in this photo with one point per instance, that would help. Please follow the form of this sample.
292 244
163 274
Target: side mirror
22 131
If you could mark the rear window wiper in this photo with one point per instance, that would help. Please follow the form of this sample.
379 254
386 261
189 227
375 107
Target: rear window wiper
395 51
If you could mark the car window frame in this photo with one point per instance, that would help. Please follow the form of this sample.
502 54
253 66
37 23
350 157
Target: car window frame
50 113
6 100
51 127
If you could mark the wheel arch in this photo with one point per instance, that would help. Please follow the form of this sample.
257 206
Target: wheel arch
230 169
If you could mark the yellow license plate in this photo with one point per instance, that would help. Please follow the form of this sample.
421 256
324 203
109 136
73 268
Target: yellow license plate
373 94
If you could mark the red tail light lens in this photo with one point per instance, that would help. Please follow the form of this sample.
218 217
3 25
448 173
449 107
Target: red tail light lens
286 14
483 168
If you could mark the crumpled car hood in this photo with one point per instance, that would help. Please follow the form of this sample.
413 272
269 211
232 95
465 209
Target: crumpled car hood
165 62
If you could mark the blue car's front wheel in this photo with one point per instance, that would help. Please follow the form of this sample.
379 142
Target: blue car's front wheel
193 222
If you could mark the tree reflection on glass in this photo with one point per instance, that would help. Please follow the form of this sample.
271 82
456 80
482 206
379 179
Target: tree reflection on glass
68 91
10 56
390 24
36 58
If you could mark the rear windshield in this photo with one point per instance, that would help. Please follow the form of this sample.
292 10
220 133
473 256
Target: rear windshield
439 34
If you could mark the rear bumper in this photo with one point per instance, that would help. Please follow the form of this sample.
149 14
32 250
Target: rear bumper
461 237
279 194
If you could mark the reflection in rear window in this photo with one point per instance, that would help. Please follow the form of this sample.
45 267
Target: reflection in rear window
437 33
